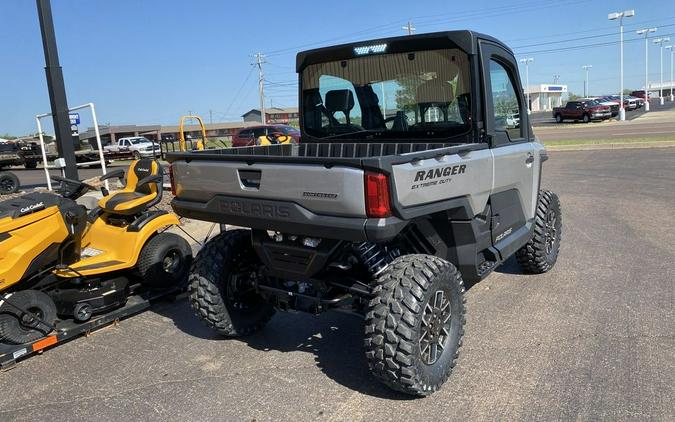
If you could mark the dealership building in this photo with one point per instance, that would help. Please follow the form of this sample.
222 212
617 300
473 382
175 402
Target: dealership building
544 97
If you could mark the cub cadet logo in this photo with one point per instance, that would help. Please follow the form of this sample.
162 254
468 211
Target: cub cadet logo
32 207
142 169
253 210
437 176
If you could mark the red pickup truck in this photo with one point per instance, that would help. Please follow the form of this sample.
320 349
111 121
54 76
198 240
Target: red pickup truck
582 110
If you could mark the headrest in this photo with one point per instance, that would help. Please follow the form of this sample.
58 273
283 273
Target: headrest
434 91
144 168
339 100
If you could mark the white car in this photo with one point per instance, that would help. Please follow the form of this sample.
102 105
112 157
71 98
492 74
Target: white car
138 146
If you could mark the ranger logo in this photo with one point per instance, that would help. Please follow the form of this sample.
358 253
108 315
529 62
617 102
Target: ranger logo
425 175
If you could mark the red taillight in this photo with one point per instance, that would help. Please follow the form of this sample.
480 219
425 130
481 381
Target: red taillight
377 195
173 184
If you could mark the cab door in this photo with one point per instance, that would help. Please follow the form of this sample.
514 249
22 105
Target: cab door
515 155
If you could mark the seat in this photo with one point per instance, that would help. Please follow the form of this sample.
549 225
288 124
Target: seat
143 189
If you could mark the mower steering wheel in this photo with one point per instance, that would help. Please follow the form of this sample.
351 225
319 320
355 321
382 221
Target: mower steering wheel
79 188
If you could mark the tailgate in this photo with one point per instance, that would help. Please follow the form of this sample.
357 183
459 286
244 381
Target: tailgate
334 191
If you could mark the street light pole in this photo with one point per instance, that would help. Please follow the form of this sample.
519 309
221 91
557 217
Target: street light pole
672 83
527 62
660 42
620 16
646 32
587 88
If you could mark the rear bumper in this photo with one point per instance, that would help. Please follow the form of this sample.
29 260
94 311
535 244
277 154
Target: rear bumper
288 217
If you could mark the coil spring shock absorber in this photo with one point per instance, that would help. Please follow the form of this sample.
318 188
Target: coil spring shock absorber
375 257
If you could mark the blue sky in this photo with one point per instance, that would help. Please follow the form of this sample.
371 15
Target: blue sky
144 62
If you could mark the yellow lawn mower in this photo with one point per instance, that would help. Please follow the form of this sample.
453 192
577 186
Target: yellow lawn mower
58 261
274 138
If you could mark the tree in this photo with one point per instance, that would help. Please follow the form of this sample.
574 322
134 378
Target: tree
8 136
572 96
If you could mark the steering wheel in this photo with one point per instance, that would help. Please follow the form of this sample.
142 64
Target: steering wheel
78 188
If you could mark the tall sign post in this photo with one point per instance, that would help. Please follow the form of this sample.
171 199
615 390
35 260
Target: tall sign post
57 90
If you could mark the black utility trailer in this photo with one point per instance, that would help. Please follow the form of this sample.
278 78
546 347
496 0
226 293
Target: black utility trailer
142 299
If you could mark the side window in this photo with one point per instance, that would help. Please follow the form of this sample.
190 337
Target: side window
505 101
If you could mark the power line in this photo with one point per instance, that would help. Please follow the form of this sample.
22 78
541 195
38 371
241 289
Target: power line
248 76
582 47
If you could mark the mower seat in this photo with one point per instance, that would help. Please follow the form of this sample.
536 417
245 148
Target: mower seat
143 189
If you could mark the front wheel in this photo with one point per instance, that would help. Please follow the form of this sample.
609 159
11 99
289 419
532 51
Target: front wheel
137 155
587 118
415 324
25 321
540 254
164 261
222 285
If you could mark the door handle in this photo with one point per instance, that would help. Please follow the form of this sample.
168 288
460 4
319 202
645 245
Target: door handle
529 159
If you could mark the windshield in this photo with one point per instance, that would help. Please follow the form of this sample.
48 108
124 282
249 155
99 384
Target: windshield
135 141
423 94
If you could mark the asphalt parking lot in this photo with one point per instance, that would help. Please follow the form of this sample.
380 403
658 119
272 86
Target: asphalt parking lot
591 340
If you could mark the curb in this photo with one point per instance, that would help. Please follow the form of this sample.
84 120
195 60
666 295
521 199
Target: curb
625 145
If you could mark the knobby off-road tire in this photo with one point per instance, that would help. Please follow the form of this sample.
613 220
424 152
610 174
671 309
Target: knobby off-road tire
164 261
418 298
220 288
18 327
9 183
540 254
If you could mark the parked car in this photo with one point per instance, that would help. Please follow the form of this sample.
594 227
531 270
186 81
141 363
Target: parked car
641 96
585 110
247 136
630 103
138 147
613 104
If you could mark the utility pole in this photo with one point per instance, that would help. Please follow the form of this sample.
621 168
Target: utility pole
620 16
210 116
409 27
259 60
646 33
527 62
57 90
660 42
672 84
587 88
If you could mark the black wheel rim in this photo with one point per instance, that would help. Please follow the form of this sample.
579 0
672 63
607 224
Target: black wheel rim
28 319
6 185
550 231
172 262
435 327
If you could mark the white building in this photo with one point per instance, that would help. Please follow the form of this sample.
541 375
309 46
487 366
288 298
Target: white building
544 97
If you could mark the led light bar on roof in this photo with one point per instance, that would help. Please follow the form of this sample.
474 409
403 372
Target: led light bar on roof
370 49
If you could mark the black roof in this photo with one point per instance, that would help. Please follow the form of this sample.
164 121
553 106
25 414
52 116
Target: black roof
465 40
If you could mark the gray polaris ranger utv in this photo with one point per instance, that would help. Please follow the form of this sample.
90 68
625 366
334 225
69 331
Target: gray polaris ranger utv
417 172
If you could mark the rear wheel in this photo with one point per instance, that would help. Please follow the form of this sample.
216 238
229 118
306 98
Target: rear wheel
541 253
558 118
415 323
222 285
164 261
9 183
27 325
